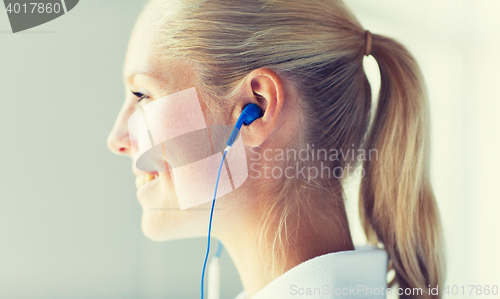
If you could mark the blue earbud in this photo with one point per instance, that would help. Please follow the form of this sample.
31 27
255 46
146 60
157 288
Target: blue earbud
250 113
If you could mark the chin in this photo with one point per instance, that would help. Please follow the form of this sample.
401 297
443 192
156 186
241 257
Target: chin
173 224
162 219
159 226
152 229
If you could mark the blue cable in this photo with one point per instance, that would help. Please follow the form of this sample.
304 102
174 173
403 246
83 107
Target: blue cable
210 224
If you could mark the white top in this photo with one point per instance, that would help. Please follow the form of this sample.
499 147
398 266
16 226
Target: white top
359 273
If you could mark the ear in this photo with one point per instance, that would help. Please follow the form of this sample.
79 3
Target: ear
264 88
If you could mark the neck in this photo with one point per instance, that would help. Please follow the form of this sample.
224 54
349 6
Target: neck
316 235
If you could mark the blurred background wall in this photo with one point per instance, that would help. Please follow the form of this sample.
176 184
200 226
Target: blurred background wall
69 219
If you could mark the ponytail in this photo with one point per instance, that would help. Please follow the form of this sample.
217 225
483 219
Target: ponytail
397 204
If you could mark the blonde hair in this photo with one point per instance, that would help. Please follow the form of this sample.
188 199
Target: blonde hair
319 46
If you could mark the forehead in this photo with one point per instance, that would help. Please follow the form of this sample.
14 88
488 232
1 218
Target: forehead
144 56
140 55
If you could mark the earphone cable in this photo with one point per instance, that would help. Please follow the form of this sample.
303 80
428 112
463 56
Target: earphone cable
210 222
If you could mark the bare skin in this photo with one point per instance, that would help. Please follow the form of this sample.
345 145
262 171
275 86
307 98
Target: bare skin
239 213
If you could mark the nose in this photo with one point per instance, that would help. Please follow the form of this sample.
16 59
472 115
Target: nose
118 140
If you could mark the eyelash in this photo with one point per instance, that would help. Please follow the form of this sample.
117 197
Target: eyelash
141 96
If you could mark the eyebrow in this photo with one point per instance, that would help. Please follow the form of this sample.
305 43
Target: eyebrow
143 72
133 74
156 81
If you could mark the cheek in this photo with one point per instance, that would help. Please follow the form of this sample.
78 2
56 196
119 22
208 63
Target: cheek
195 182
164 123
195 179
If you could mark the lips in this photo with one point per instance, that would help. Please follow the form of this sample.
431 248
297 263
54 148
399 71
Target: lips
147 184
143 178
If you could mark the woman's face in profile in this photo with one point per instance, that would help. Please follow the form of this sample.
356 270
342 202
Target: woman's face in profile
149 76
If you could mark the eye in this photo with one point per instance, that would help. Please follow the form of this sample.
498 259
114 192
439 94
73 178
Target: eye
140 95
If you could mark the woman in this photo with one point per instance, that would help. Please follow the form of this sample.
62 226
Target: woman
301 63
